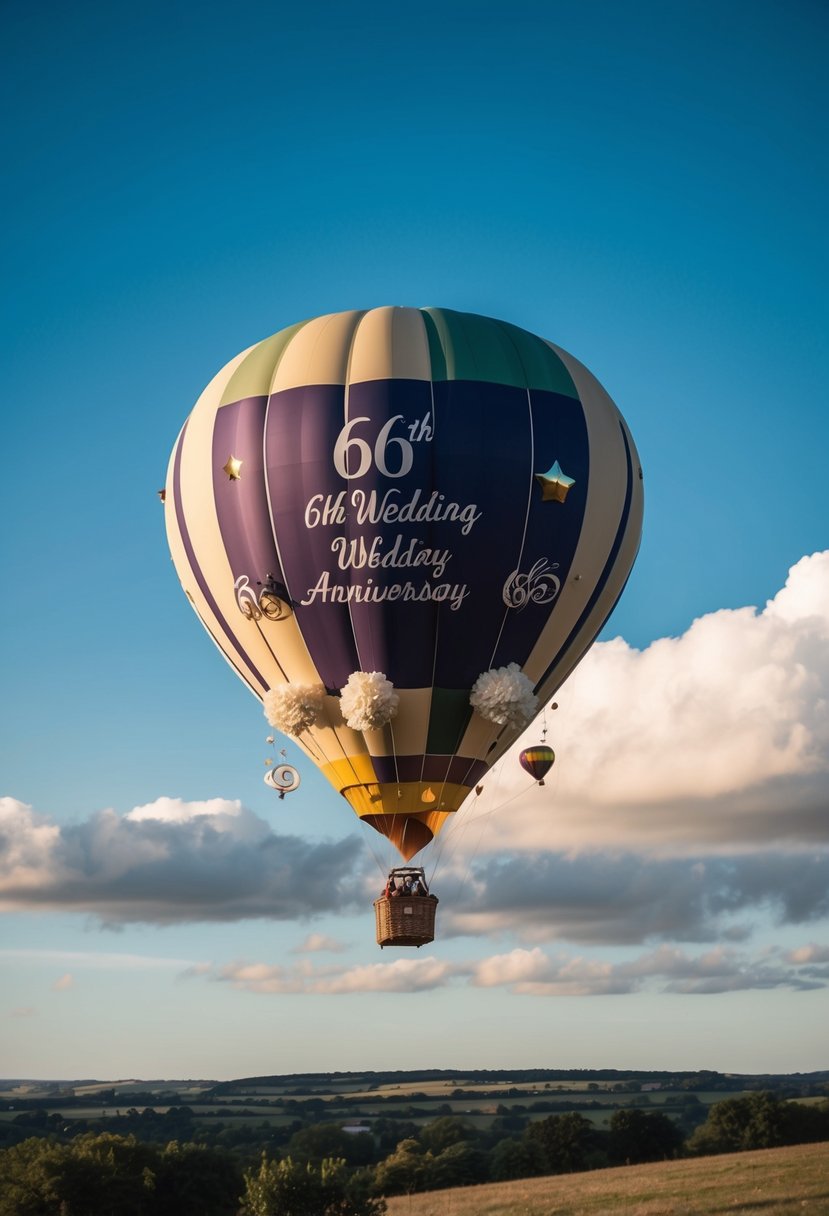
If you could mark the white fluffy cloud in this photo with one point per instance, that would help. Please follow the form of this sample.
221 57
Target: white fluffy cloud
319 943
171 861
611 898
402 975
537 973
812 953
713 740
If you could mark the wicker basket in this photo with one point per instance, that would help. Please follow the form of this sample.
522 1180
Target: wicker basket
405 920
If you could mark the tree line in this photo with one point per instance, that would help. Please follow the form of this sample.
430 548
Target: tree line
706 1079
322 1170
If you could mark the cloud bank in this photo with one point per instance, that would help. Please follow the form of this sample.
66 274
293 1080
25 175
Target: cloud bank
171 861
177 862
713 741
536 973
689 799
601 898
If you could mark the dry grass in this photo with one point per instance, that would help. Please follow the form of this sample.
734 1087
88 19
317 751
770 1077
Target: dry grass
772 1182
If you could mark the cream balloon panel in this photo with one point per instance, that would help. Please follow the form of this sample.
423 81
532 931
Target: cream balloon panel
179 540
319 353
390 344
605 512
194 496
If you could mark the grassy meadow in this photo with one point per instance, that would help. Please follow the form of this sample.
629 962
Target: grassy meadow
770 1182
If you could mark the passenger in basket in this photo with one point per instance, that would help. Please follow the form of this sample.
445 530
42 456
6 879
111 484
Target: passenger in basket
418 886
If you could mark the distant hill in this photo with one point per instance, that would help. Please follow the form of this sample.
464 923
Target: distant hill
704 1079
700 1079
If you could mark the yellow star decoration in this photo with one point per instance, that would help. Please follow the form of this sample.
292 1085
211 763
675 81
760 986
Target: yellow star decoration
554 484
233 468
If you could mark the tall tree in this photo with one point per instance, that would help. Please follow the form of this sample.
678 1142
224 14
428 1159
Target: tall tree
569 1142
637 1136
292 1188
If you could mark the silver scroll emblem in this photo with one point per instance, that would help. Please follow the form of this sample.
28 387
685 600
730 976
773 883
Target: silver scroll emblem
271 601
538 586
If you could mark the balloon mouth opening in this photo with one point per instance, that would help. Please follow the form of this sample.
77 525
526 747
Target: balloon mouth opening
408 834
401 814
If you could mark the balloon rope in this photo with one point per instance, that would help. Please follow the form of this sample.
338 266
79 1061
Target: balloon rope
449 768
460 829
316 748
271 651
431 689
459 826
470 858
489 741
378 861
465 821
309 744
446 840
471 816
381 865
526 523
346 757
495 809
397 776
437 608
394 754
478 821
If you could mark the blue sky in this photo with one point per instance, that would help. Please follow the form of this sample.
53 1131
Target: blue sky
644 185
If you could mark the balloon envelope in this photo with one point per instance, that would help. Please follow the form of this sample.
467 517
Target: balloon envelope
425 494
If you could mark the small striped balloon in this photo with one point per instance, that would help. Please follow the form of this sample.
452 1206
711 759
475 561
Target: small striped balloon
538 761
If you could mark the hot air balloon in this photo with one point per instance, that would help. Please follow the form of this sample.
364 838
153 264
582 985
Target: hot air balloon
537 761
403 528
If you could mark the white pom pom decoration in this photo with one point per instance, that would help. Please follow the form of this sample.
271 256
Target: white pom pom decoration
504 695
293 708
368 701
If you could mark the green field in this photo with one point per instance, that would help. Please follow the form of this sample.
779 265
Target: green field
483 1101
772 1182
349 1100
